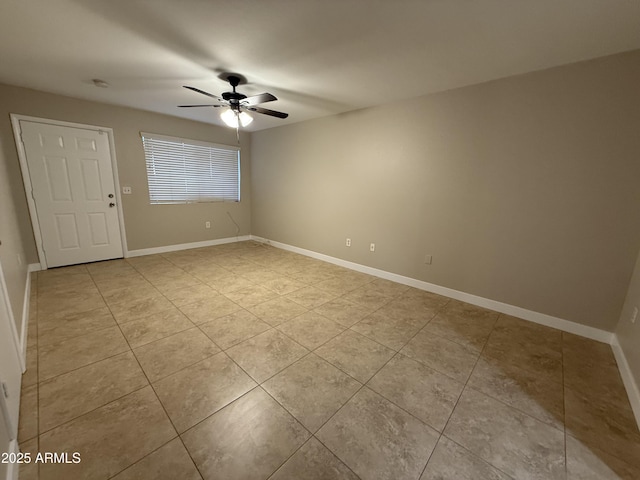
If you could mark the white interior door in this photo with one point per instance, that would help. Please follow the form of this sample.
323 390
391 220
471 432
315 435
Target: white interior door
74 192
10 380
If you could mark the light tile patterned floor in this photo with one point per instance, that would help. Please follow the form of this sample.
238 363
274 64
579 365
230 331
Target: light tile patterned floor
242 361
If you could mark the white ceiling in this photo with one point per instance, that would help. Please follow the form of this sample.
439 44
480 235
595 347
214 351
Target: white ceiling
319 57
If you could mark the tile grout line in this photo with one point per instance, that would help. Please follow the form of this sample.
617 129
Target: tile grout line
106 358
313 434
310 352
86 364
464 387
311 437
93 363
294 418
114 400
147 455
478 457
502 402
96 408
163 338
197 325
398 353
272 327
518 409
258 385
150 384
38 361
363 385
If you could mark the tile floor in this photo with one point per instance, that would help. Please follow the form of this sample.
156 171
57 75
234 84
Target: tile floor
242 361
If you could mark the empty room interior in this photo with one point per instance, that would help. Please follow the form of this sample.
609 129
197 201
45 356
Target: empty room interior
319 240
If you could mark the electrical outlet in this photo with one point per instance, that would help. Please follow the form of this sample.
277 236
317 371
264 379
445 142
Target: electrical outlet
634 315
428 259
372 247
348 243
126 190
207 224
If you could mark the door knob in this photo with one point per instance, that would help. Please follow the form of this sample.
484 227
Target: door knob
110 195
112 205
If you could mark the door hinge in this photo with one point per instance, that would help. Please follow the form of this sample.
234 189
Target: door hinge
5 390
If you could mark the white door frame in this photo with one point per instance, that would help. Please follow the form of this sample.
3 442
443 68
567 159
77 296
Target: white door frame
10 411
9 312
15 122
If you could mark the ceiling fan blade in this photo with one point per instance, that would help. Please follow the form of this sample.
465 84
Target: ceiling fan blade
211 105
203 92
261 98
266 111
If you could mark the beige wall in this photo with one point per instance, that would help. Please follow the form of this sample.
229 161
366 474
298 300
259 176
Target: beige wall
629 333
525 190
146 225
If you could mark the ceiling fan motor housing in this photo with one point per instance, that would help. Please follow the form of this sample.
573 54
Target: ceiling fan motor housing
234 97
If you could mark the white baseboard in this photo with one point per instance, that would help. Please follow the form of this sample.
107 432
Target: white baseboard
34 267
530 315
25 320
627 377
185 246
13 468
630 384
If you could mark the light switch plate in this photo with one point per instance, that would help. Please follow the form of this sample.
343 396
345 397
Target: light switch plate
126 190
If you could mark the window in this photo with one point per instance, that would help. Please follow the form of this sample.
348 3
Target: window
187 171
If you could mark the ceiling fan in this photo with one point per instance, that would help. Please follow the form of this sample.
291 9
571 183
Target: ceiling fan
238 104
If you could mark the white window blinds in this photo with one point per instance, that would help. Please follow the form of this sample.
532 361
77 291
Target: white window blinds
185 171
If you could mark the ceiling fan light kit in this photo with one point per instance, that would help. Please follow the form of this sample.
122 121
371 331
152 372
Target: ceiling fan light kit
238 104
233 119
